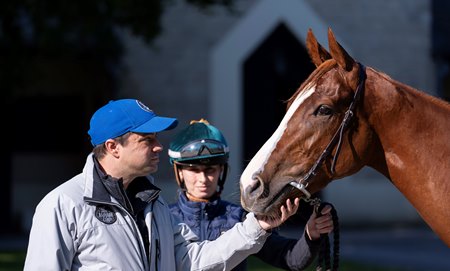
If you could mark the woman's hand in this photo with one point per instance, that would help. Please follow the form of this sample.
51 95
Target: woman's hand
287 211
319 225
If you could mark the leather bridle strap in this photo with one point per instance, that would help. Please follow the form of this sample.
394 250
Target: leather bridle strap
336 139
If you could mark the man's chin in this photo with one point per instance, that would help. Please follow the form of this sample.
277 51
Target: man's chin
152 169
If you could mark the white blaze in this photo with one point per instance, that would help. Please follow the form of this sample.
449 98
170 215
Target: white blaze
260 159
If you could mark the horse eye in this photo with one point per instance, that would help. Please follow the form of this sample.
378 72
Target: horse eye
323 110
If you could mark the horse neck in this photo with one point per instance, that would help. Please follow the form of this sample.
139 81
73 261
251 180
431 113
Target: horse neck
411 125
412 129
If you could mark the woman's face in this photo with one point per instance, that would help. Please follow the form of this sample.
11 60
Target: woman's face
201 180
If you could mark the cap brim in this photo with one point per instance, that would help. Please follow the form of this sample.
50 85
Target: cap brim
156 124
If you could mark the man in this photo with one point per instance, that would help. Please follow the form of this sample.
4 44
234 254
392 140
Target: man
111 217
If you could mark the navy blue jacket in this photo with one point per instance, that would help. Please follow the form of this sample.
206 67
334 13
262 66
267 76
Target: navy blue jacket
210 219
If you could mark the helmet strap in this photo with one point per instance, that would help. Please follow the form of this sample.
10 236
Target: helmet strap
223 177
180 182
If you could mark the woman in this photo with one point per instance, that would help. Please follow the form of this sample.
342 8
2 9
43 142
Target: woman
199 155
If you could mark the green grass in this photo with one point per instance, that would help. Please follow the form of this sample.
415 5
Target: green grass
14 260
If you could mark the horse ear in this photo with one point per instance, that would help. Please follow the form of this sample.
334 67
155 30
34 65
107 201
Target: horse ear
316 52
339 54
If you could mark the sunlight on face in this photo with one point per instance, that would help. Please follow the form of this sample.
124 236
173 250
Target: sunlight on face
201 180
141 153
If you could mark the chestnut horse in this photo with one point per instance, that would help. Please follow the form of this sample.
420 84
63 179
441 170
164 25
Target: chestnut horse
346 116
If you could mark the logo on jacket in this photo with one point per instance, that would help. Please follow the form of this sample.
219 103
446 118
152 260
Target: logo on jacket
105 215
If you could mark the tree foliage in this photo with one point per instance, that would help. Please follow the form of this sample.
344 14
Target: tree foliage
81 28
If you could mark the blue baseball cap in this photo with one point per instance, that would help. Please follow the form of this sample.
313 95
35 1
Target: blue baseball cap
127 115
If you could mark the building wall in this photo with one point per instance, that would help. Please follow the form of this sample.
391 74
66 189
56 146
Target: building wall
391 36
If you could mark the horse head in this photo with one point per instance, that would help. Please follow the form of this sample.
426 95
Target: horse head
315 142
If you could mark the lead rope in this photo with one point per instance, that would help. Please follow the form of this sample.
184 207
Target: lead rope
324 257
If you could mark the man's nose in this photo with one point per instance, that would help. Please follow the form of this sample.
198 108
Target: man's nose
158 147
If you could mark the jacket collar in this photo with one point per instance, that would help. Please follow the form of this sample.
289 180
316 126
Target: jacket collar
100 188
194 207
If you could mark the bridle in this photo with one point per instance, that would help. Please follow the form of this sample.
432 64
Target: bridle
336 139
324 257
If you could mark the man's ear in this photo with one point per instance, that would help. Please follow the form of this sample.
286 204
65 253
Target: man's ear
112 147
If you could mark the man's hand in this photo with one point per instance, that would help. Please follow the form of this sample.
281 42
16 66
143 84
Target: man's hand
319 225
268 223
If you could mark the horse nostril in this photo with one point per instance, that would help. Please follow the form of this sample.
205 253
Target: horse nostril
255 189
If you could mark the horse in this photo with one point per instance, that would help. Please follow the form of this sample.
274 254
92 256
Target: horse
346 116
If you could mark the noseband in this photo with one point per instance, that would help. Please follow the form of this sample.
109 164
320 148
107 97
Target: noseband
336 139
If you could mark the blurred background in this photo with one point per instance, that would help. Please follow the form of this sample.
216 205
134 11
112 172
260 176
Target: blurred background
232 62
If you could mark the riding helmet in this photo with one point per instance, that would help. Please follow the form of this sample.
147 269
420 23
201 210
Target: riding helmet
200 143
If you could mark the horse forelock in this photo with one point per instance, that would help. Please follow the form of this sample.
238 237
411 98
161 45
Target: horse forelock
313 79
261 158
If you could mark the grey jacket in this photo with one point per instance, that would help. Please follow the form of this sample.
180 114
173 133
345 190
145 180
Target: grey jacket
74 230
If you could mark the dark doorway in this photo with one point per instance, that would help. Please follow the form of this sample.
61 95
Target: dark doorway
441 46
271 75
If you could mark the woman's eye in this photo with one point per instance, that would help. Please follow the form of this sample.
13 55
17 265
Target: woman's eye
324 110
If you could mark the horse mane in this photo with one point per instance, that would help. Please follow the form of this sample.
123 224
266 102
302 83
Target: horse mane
331 63
399 85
